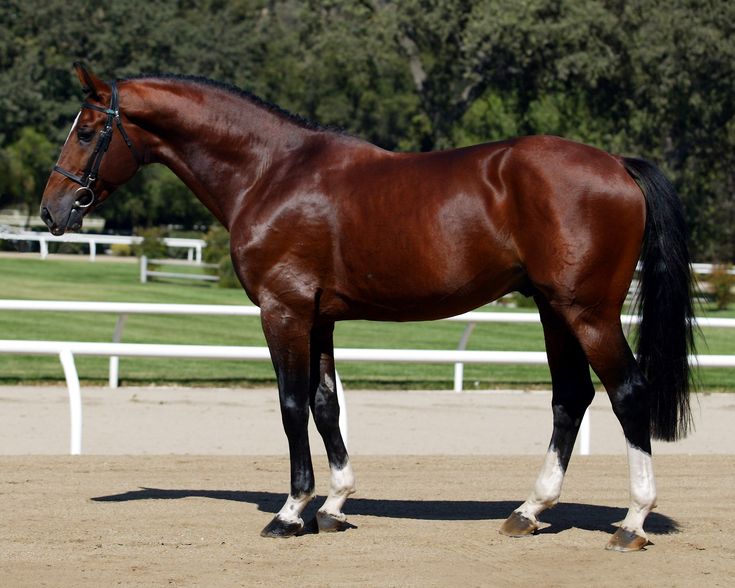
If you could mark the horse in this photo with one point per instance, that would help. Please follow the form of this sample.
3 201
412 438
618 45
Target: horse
327 227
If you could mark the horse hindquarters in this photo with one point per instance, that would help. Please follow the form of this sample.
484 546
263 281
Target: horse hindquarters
593 234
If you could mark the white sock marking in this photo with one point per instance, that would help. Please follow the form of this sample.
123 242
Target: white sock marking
341 486
642 490
547 489
291 511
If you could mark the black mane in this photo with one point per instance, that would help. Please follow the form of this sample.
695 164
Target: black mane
253 98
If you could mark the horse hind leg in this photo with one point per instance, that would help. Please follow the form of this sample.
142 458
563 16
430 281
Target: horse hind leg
603 341
326 409
572 394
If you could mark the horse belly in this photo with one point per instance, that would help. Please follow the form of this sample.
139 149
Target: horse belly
404 278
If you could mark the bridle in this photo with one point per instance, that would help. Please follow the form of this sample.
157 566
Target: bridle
85 195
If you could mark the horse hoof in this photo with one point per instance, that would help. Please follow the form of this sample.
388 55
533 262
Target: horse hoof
280 529
329 523
517 525
624 540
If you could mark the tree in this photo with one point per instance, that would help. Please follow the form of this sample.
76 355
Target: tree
26 167
653 78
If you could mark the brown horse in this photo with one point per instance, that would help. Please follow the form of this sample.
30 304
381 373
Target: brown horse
326 227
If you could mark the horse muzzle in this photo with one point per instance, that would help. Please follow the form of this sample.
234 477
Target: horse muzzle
61 222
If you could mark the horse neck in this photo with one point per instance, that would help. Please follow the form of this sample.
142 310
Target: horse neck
218 143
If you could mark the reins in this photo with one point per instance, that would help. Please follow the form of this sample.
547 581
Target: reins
89 175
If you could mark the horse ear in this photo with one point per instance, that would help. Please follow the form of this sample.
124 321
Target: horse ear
91 84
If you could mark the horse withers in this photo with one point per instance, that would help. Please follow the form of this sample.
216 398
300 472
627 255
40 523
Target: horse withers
326 227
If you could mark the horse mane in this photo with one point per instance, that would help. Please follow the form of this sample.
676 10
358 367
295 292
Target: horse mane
244 94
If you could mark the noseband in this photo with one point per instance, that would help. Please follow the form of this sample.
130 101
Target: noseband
85 195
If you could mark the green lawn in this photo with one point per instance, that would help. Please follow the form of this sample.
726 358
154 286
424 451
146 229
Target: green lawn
31 278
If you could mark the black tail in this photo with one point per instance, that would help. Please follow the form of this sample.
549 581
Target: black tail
666 332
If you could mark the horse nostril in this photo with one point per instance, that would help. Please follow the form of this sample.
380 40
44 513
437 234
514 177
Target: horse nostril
46 217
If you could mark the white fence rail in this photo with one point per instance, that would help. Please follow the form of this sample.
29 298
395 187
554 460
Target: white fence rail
66 350
194 246
123 309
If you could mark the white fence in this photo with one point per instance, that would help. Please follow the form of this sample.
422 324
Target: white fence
146 272
194 246
66 350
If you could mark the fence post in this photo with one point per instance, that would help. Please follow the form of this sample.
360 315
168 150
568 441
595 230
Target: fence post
75 401
342 409
584 434
44 248
114 375
143 269
459 367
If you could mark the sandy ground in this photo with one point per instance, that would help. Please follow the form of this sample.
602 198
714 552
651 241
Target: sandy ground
437 473
35 420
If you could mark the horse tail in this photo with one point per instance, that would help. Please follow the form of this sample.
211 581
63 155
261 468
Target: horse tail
666 332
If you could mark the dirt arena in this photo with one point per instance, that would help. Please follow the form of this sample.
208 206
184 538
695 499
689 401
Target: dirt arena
176 484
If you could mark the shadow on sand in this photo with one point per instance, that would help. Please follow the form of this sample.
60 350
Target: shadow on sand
562 517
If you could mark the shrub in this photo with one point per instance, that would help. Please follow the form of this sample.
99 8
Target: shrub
722 283
218 244
218 251
152 245
522 301
226 273
121 250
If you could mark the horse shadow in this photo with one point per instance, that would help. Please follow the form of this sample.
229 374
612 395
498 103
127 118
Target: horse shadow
562 517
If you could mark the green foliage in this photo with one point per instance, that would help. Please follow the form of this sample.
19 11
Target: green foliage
121 250
218 244
653 78
522 301
226 273
154 197
152 245
217 251
723 283
24 168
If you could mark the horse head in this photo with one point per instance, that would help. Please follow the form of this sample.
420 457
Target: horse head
95 159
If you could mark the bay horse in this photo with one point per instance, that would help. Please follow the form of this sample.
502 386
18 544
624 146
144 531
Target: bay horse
327 227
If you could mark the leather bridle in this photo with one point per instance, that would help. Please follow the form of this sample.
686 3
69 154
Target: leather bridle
85 195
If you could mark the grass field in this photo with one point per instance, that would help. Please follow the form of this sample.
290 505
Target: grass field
28 277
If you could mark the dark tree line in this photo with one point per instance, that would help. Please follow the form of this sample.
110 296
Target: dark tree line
654 78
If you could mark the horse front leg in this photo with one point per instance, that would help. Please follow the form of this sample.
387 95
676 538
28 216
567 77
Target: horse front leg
288 341
326 410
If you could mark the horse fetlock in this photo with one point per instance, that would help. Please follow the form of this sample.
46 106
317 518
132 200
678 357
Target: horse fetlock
343 479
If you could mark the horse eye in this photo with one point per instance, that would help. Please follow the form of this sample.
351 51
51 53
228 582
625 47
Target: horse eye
85 135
